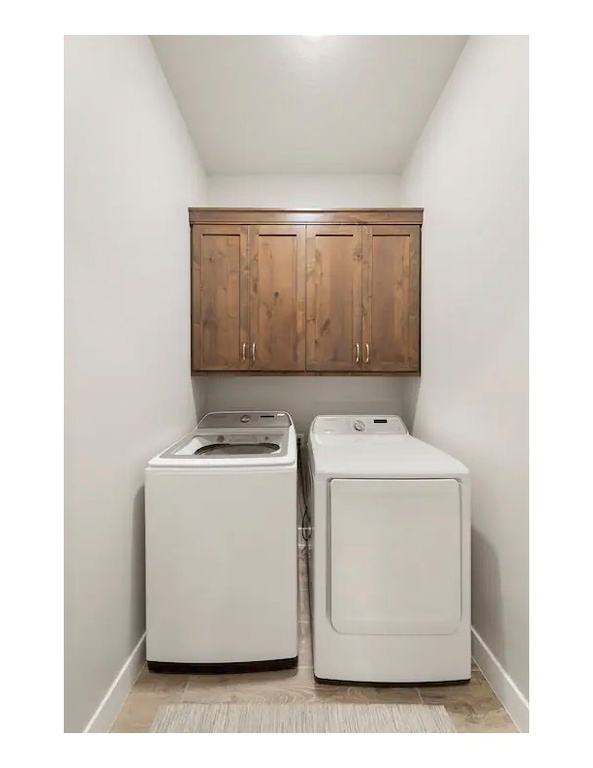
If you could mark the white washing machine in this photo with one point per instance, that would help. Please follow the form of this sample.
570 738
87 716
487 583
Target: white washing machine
221 547
389 554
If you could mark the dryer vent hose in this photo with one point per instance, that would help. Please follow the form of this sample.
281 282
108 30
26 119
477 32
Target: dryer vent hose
305 517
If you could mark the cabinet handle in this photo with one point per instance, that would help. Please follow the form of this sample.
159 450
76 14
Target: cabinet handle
244 350
357 345
253 352
368 354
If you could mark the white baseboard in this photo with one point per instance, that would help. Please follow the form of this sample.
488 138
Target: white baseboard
503 686
118 692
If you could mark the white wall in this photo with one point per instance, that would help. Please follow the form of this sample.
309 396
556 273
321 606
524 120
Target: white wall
305 396
131 172
304 191
470 173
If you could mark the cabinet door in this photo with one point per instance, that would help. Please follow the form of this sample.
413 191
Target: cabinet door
277 298
391 298
220 296
334 292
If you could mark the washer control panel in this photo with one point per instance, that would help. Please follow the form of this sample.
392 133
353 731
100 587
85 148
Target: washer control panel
242 419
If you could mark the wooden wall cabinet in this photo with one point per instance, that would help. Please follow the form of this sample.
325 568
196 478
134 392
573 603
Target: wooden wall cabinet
306 292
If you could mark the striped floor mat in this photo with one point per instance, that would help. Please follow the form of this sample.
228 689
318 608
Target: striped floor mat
301 718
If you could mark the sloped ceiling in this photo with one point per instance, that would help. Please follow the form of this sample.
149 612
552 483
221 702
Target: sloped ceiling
300 105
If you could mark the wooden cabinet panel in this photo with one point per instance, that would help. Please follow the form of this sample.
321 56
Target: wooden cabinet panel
391 298
220 296
306 291
277 298
334 293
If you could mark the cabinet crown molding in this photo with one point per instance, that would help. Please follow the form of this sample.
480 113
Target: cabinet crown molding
306 216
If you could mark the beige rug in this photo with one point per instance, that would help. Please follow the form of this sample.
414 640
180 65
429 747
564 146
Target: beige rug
301 718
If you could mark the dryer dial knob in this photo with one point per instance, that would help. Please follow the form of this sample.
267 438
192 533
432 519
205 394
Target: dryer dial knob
245 418
359 426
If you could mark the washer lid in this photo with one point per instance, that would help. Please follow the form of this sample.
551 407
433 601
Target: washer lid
224 444
225 448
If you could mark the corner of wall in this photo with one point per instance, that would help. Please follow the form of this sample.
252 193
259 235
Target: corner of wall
127 371
469 171
200 390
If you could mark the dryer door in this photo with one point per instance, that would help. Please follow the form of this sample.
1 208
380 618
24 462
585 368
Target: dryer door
395 556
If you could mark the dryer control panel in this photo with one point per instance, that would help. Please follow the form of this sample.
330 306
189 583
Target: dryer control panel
359 425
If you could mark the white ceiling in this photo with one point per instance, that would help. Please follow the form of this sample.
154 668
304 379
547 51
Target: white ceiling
280 104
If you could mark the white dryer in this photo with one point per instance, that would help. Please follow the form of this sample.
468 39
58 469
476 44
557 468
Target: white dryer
221 547
389 554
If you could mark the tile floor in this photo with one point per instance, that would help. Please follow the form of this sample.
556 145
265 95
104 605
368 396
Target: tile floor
474 708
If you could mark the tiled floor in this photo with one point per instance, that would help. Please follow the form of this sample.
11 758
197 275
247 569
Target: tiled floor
473 708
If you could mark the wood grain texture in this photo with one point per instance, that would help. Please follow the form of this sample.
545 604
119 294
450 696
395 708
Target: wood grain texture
415 297
334 293
196 299
220 306
306 215
306 373
277 297
391 298
306 294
